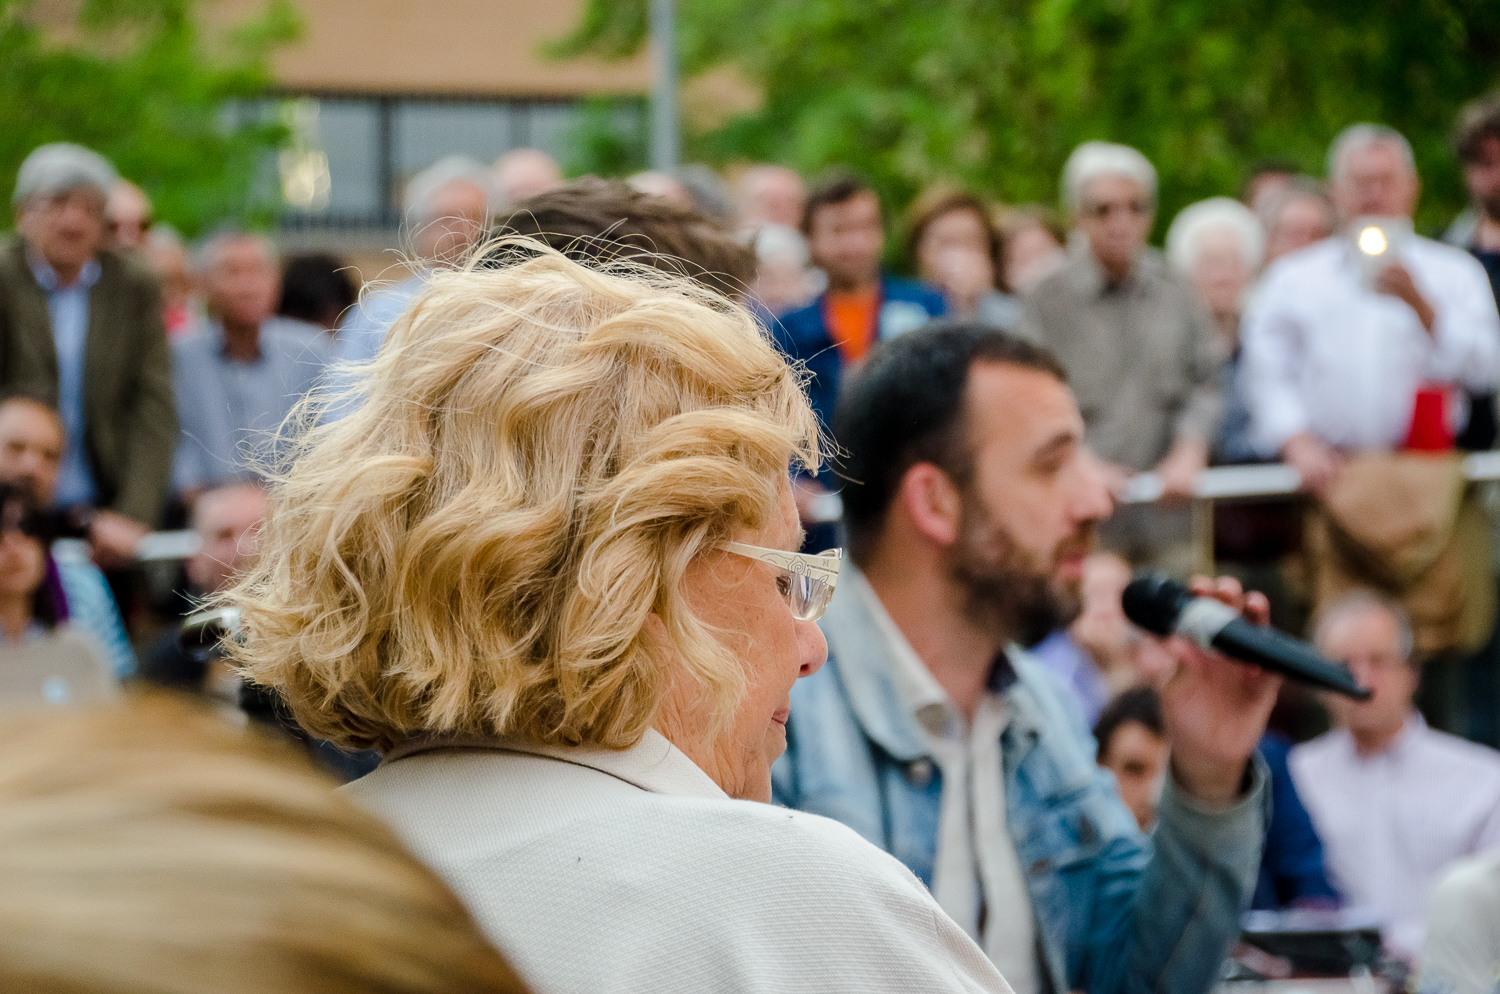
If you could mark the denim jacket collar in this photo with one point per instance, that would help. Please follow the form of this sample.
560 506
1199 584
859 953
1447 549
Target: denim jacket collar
866 666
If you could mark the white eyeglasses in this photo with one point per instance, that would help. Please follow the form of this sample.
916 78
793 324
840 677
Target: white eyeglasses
808 585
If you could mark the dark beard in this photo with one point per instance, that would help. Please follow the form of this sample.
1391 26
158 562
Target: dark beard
1489 206
1006 589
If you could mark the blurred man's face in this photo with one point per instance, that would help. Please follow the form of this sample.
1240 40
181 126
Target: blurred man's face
1374 180
1483 177
127 215
1369 643
526 172
1303 220
1137 757
228 521
1031 502
772 195
460 210
170 263
846 241
244 284
1116 214
31 449
66 228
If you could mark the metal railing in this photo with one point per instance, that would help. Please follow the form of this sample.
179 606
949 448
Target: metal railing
1219 483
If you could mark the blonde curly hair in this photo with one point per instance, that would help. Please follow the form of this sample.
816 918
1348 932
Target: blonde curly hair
535 457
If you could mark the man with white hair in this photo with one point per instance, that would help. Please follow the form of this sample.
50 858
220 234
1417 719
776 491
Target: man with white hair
240 373
448 205
1345 334
81 329
1141 353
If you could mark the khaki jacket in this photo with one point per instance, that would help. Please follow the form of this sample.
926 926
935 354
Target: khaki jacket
1405 525
130 420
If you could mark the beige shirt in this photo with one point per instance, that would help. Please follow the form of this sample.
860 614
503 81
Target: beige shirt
976 875
631 871
1142 355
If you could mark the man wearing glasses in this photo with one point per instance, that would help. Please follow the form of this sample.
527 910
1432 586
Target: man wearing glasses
1395 802
1138 346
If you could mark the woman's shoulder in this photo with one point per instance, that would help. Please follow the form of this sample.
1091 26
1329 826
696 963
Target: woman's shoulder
544 851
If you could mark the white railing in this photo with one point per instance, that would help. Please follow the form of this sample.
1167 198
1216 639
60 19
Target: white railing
1219 483
1272 480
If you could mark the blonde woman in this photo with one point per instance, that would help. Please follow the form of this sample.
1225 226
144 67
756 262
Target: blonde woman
154 849
549 567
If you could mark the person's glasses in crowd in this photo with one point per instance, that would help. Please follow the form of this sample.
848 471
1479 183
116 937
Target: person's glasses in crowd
809 580
1375 661
1139 208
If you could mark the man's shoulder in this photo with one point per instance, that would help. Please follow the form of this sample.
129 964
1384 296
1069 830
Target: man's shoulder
296 339
1479 763
898 288
1449 258
127 270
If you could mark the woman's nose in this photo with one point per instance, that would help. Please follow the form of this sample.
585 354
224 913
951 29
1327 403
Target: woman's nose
812 647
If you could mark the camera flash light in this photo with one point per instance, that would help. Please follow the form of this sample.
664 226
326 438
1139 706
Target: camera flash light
1372 241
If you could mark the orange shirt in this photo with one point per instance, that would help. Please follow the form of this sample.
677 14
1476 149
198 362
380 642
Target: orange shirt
851 321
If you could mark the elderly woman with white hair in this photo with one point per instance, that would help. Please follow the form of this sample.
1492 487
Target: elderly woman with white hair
549 567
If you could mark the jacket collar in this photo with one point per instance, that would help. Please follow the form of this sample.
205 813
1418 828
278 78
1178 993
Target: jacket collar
867 667
654 764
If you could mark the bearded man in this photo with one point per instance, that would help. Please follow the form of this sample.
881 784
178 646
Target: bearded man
970 505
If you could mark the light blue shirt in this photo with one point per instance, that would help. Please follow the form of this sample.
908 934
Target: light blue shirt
360 340
68 307
91 606
233 413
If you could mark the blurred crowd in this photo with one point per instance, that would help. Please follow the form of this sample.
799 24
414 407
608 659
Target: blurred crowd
149 384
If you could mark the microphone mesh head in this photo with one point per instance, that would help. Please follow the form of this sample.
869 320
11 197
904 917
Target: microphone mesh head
1153 602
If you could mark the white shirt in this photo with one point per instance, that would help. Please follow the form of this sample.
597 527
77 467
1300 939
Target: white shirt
976 872
631 871
1325 355
1390 823
1462 955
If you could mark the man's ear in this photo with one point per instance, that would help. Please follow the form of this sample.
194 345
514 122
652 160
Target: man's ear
932 503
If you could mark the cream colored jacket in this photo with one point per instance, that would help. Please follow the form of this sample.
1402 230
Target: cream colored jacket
601 871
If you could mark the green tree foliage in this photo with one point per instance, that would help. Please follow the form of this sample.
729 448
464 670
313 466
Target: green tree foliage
995 93
138 81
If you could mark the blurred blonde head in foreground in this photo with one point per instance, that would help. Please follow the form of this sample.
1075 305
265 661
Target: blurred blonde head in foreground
152 848
539 453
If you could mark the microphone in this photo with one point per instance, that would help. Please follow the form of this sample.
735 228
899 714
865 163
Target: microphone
1165 607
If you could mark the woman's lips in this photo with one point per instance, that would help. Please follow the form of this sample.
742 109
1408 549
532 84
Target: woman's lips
781 715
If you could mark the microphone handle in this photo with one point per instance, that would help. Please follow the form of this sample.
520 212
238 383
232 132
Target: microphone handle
1271 650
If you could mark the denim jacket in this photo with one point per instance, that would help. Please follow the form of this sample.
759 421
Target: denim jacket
1116 911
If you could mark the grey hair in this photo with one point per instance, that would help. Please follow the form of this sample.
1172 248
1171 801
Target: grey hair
1362 602
424 186
1094 159
61 166
1192 222
208 252
1360 136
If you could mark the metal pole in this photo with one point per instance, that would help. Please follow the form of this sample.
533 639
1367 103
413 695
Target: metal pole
664 142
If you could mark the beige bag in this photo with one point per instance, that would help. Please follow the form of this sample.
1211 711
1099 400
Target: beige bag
1404 525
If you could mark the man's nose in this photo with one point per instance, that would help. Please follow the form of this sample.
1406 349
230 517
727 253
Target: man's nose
1092 500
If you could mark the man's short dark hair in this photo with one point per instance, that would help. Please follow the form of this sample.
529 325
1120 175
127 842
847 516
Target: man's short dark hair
838 186
593 220
1477 122
1141 705
906 405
